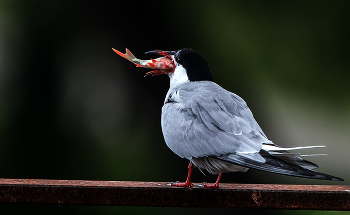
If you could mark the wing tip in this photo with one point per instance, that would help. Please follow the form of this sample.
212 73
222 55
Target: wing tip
278 166
336 179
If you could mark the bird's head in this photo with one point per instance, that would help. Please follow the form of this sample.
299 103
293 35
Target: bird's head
189 65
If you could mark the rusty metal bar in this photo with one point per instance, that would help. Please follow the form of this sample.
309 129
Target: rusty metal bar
79 192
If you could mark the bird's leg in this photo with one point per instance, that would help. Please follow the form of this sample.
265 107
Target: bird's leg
216 185
188 182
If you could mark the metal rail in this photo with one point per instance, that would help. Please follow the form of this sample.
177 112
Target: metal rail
79 192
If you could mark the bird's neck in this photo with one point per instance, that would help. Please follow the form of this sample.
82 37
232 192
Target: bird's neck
179 76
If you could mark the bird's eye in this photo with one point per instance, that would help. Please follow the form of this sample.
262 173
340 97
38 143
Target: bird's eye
178 60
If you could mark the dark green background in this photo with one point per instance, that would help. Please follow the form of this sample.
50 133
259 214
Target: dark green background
70 108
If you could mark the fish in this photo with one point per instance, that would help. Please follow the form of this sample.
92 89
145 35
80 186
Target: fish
162 65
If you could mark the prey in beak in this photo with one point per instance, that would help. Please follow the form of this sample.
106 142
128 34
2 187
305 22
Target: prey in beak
162 65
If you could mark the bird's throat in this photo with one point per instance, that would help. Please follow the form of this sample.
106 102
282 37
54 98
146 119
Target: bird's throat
178 77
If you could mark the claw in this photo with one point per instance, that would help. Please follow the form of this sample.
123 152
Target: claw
217 183
184 184
188 182
215 186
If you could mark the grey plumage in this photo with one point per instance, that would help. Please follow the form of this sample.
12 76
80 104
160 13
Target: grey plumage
203 119
216 130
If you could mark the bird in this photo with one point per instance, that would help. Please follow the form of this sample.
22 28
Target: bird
215 129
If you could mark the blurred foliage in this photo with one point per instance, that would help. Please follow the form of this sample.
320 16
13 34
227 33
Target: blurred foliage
70 108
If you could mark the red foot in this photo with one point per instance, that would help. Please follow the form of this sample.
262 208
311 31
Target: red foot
216 185
188 182
185 184
212 186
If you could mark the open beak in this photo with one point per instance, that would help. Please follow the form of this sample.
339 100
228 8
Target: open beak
163 65
160 52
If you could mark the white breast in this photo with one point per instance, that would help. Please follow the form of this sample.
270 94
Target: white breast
179 76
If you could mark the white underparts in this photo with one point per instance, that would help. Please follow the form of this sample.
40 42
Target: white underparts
215 166
179 76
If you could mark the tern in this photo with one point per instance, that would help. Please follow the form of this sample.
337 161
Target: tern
214 128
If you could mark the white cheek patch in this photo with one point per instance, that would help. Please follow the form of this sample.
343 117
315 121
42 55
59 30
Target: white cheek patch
179 76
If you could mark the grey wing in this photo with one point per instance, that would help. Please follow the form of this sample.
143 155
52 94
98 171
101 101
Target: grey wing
207 121
275 165
210 121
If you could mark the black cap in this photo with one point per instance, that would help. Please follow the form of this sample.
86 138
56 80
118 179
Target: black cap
196 66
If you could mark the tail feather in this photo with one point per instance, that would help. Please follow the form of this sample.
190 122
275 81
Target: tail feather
294 158
276 165
273 147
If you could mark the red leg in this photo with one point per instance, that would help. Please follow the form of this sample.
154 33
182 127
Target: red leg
188 182
216 185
